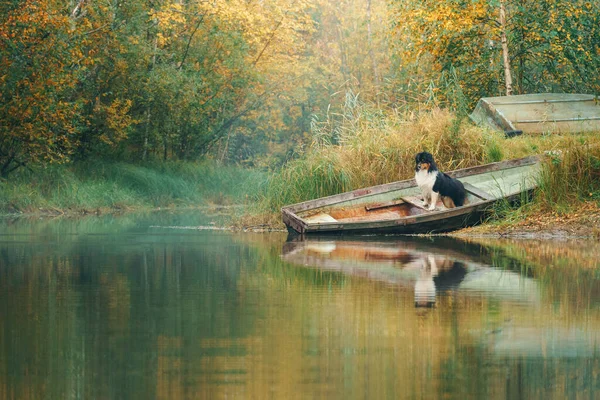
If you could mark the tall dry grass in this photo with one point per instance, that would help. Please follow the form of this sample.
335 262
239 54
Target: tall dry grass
362 147
372 148
570 175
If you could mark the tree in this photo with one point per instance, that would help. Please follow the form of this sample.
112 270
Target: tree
550 45
38 117
505 55
179 79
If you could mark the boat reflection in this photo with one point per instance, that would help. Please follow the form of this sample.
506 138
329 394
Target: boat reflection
431 267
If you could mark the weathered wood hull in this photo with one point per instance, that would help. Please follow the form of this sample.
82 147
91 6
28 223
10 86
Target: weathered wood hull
539 113
395 209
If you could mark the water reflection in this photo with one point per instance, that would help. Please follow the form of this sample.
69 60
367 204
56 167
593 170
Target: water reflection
436 275
130 308
432 268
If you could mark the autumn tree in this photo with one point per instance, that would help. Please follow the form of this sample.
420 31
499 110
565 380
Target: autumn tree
38 117
106 35
171 79
277 111
556 46
211 70
551 45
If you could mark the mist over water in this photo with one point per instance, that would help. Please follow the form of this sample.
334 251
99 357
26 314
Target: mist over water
150 307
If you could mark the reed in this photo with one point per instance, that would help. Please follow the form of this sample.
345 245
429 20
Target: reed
373 148
570 176
568 179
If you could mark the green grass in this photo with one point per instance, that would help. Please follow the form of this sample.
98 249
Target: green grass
102 185
306 178
568 178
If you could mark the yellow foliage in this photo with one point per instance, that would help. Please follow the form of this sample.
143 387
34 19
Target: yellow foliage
170 20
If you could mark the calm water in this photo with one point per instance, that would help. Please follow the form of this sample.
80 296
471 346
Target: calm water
139 307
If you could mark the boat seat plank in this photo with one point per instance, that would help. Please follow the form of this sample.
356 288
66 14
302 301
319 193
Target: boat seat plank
377 206
321 217
415 201
477 192
381 216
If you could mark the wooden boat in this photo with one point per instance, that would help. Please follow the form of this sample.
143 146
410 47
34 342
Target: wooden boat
397 207
539 113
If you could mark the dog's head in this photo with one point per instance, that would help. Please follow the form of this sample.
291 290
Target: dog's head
424 161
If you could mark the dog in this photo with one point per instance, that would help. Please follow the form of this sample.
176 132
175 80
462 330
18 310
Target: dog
434 183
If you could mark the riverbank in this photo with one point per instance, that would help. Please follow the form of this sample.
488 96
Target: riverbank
565 204
582 222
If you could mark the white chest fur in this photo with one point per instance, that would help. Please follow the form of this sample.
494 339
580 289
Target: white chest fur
425 179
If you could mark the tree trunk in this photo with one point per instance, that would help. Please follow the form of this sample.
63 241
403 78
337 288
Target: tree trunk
146 135
343 54
148 113
371 52
505 57
226 148
165 147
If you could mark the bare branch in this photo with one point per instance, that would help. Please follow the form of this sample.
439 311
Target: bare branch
78 11
187 47
269 41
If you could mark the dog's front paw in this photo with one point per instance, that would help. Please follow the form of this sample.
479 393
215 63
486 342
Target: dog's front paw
431 207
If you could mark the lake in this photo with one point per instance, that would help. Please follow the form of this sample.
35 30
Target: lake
149 307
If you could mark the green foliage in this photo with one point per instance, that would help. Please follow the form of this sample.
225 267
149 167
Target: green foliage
495 153
306 179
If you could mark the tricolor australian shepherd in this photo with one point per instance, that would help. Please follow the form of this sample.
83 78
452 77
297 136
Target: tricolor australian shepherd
434 183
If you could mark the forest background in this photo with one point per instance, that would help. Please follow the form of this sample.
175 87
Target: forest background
128 90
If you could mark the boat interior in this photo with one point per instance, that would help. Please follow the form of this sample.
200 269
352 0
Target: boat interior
403 206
